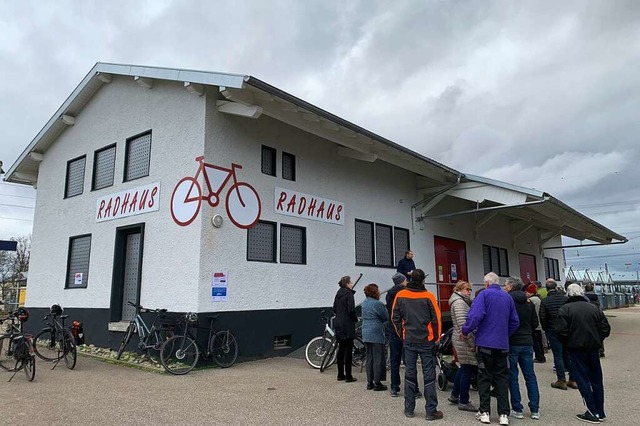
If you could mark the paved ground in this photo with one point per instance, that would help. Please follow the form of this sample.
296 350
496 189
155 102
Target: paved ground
284 391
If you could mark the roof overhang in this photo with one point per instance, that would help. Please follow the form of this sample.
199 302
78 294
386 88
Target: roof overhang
488 197
244 96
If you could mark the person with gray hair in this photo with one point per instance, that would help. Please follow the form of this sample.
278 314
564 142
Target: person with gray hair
521 352
582 327
548 315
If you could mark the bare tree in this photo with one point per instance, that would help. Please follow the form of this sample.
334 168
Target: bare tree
22 255
12 264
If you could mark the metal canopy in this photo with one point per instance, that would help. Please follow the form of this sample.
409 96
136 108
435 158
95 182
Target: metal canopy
487 197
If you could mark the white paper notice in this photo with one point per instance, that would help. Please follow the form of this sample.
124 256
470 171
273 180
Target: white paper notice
219 286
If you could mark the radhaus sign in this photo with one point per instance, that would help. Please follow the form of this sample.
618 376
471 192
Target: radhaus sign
143 199
305 206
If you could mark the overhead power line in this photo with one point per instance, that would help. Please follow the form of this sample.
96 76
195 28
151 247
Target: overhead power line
16 205
15 218
17 196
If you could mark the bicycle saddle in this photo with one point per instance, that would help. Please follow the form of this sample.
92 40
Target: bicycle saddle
64 316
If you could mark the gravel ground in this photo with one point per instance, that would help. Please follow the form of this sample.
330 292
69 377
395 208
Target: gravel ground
284 391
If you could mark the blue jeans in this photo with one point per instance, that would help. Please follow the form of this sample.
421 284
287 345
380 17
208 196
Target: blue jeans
426 352
395 356
523 356
462 383
560 356
588 375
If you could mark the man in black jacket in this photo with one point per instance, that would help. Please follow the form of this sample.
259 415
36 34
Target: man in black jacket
406 265
582 327
593 298
548 314
521 352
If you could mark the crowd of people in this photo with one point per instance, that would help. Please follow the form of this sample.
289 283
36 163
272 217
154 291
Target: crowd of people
497 336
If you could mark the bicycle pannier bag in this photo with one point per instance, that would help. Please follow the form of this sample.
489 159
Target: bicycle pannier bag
20 348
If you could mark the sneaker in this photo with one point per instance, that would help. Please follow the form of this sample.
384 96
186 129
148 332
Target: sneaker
409 414
483 417
560 384
467 407
369 386
572 384
380 387
517 414
602 417
588 418
535 415
350 379
340 378
394 392
437 415
504 419
452 399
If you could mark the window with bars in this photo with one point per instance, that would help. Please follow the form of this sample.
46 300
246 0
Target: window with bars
261 242
75 177
364 243
551 268
384 245
78 261
293 244
400 243
138 157
288 166
495 259
268 160
104 163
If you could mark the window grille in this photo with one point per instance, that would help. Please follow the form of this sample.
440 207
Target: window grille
261 242
364 243
400 243
384 245
75 177
78 261
268 161
138 157
293 244
104 163
288 166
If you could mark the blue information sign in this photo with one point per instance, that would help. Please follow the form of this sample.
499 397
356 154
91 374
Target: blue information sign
8 245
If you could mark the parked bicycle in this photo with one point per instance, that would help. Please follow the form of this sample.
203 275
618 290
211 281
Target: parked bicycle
242 202
179 355
321 352
16 347
56 342
150 339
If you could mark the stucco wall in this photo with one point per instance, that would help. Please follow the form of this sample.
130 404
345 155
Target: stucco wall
118 111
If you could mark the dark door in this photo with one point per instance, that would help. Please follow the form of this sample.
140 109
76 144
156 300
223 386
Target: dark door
127 268
528 271
451 266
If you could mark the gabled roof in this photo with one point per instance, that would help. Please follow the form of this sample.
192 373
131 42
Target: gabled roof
240 89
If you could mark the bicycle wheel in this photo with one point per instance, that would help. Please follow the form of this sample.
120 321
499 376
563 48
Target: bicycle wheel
125 340
69 353
7 361
29 367
316 349
46 346
179 355
155 342
359 358
329 358
224 348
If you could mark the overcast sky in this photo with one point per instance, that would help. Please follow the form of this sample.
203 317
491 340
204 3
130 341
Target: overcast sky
541 94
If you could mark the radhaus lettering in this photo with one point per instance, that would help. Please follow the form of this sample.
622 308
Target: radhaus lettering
305 206
132 202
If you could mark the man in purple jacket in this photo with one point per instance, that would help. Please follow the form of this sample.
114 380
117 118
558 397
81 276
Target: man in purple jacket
494 319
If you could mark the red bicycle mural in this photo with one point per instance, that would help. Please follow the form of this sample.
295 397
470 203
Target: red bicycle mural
242 202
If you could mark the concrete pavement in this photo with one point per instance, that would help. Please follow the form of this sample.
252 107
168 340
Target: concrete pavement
286 391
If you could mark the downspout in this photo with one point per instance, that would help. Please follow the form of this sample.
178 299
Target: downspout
421 202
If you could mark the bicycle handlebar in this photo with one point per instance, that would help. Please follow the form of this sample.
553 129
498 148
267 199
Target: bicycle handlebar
143 309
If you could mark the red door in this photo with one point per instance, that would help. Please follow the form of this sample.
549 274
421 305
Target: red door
451 266
528 271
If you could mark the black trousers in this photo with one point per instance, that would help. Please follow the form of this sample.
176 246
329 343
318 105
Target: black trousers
345 357
538 348
493 370
376 363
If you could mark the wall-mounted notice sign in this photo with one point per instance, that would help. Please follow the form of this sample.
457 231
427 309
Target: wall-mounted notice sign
219 286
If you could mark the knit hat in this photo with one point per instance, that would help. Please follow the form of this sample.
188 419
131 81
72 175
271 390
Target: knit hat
532 289
398 278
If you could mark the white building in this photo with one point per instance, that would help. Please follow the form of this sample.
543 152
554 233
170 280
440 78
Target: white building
209 192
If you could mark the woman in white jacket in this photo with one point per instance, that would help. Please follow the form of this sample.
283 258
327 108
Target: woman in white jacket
460 302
